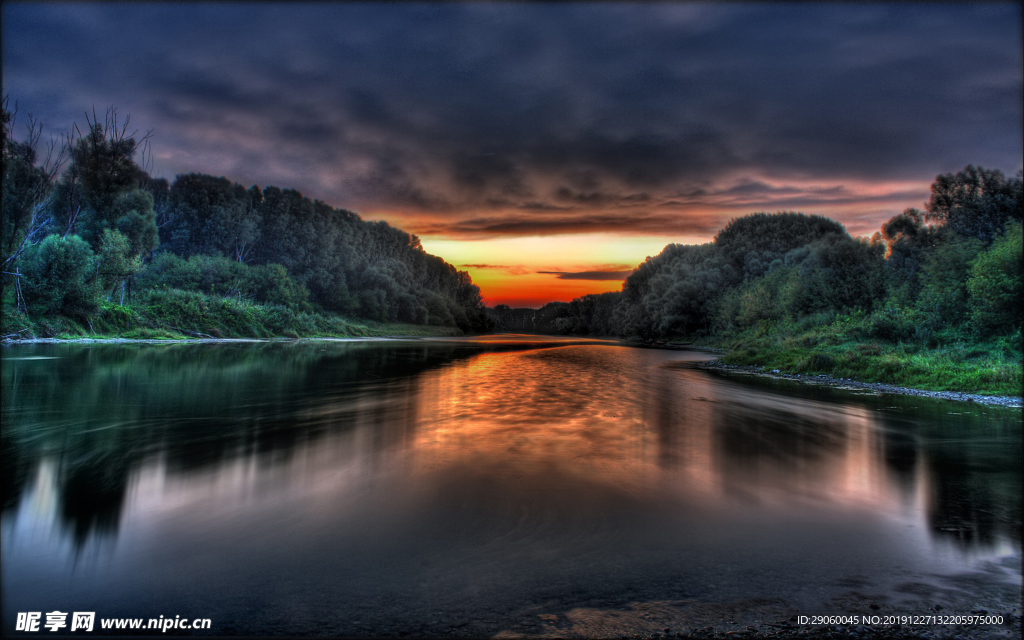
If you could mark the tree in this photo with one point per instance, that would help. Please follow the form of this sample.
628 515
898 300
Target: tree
944 279
753 242
60 277
135 218
105 171
210 216
27 188
681 296
117 261
837 273
994 284
976 202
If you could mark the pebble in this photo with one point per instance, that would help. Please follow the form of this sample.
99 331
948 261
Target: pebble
1003 401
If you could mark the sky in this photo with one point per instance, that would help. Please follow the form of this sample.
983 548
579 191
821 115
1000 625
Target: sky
545 148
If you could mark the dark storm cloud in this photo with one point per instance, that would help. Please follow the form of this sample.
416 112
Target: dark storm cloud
511 224
501 119
590 275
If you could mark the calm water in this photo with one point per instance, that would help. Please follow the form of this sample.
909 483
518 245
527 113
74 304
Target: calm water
471 487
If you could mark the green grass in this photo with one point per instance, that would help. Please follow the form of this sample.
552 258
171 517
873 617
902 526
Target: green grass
405 330
986 367
171 314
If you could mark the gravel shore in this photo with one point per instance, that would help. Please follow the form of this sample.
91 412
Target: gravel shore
845 383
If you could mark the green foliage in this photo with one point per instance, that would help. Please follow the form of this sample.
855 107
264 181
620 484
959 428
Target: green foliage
943 277
136 219
551 318
976 202
682 294
673 293
907 241
366 269
13 322
989 367
994 284
896 324
753 242
103 161
196 314
505 319
262 245
221 276
837 273
26 187
258 262
761 301
116 260
697 290
60 277
210 216
920 305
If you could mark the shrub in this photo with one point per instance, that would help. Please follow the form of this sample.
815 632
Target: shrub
820 362
994 284
60 277
223 277
944 280
895 324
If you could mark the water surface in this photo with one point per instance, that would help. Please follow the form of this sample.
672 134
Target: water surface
479 486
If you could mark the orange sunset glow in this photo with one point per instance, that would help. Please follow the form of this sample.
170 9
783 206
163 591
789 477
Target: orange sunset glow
567 262
547 162
532 271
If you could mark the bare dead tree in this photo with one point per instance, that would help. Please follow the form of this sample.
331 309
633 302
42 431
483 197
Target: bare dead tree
242 251
19 298
14 114
58 149
37 224
58 152
117 132
164 214
147 153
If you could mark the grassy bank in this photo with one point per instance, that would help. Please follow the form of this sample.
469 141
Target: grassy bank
175 314
842 349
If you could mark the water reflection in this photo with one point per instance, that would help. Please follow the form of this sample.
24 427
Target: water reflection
409 477
96 413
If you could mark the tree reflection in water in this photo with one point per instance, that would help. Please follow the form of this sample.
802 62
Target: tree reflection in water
516 468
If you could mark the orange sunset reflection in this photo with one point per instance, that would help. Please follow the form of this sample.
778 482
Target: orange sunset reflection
604 415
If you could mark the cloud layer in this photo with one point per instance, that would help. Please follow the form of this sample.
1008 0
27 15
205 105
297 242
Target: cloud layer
590 275
477 120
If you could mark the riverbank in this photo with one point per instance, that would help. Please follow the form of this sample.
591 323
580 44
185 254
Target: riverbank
10 342
163 316
847 383
385 331
954 362
953 373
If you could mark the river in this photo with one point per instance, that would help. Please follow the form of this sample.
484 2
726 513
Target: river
501 485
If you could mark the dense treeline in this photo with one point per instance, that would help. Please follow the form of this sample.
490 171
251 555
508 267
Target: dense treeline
87 226
949 273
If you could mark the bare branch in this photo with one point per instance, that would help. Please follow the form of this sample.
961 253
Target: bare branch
36 226
147 152
72 221
35 130
14 116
